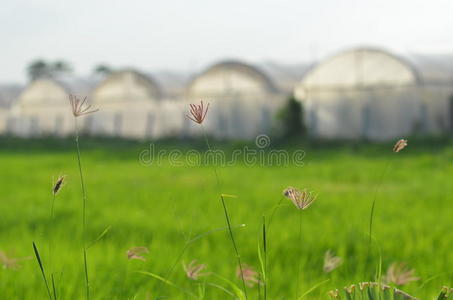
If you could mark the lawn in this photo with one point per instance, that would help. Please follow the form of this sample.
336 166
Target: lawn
162 206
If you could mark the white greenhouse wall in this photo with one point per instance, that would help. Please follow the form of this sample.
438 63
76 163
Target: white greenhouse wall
371 94
360 94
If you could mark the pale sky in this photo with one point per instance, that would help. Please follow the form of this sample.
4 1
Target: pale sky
191 34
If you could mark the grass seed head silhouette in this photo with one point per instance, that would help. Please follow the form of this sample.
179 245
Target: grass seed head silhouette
10 262
58 184
331 262
301 199
197 112
350 289
400 274
249 274
400 145
80 107
334 294
194 270
137 253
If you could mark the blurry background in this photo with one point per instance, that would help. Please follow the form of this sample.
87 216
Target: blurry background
374 70
340 80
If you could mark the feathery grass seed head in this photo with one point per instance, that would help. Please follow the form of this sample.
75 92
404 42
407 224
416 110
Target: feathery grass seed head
399 274
350 289
137 253
334 294
80 107
194 270
331 262
10 262
301 199
400 145
197 112
249 274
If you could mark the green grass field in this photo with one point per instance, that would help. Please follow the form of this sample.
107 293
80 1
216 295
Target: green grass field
161 207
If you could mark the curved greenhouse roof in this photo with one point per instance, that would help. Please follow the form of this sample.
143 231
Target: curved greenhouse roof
126 85
361 67
43 92
231 77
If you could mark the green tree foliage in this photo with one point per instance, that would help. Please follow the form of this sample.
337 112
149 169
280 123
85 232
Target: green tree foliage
291 118
102 69
43 69
37 69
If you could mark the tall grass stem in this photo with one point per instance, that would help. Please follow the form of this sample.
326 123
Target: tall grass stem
300 251
373 206
266 275
84 199
227 216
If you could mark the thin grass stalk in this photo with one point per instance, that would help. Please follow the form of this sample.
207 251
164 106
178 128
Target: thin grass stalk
60 281
51 244
41 266
220 288
274 211
181 254
265 232
84 199
258 286
300 251
265 275
227 217
373 205
53 287
51 231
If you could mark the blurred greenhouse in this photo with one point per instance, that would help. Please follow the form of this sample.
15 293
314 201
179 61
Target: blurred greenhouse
362 93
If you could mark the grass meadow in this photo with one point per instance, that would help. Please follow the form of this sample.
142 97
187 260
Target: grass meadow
163 206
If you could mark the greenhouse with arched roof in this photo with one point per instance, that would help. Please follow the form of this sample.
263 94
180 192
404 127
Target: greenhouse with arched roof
42 109
244 99
371 93
125 99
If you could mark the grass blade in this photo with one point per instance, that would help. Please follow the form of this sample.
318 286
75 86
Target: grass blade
239 293
53 287
168 282
312 289
106 230
220 288
38 258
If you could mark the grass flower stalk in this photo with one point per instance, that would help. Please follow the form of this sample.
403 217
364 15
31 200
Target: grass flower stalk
55 189
84 201
300 251
302 199
399 145
265 275
186 246
81 108
197 114
227 217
